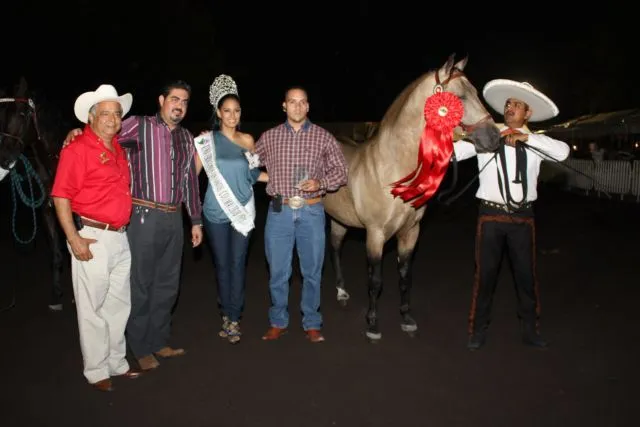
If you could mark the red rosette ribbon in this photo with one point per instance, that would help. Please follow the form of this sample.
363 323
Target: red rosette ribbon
442 112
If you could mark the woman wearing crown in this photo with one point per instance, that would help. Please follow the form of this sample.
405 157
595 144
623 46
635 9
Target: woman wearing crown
226 155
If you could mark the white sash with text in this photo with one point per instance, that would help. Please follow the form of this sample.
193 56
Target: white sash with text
242 217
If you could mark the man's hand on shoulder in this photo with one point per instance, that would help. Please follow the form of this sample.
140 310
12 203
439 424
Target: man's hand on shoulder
247 142
71 136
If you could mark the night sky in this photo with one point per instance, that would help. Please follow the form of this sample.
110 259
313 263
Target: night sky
353 56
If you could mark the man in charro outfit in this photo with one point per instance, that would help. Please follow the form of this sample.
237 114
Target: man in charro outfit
508 179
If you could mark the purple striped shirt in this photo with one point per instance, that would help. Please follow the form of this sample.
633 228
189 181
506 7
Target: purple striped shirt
162 163
290 156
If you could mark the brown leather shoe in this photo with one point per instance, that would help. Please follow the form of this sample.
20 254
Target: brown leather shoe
166 352
274 333
314 335
148 362
131 374
103 385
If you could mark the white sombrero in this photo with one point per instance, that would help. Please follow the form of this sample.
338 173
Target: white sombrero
103 93
496 93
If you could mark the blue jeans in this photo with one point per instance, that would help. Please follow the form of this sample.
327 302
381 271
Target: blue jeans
229 249
304 227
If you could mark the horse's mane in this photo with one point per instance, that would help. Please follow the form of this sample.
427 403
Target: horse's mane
394 111
52 124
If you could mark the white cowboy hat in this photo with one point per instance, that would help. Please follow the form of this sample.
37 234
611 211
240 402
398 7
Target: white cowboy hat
103 93
496 93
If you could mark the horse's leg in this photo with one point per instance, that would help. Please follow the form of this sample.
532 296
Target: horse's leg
375 246
55 245
338 232
406 243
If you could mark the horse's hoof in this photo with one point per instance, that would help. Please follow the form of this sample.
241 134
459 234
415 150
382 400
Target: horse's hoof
343 296
374 337
55 307
409 327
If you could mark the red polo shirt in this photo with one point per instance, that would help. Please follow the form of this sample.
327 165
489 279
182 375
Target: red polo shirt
95 180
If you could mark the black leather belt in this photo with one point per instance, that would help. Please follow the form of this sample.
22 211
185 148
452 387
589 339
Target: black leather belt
154 205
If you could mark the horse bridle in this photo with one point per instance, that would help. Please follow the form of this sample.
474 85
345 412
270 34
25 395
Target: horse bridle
31 114
440 87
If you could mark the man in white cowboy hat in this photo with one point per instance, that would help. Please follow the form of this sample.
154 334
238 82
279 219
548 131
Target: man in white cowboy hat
161 156
92 182
508 180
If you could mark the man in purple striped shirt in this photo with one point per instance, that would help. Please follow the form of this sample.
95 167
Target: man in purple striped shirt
304 162
163 177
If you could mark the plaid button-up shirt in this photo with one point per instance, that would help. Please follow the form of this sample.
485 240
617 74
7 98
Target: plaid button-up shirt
310 153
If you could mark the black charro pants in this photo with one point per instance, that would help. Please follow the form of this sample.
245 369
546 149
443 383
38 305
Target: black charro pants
499 232
156 242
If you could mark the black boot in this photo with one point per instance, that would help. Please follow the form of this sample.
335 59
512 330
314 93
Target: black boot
477 339
531 336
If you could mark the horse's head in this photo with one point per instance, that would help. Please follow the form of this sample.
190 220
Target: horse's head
25 131
14 133
16 122
400 125
477 125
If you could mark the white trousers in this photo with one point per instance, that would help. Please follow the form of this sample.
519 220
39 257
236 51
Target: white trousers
102 290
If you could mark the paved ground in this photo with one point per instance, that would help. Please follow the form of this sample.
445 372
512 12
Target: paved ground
588 268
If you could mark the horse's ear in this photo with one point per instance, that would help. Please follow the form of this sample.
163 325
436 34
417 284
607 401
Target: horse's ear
449 64
21 88
462 63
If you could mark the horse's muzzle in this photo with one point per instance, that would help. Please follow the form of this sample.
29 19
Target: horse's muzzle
486 138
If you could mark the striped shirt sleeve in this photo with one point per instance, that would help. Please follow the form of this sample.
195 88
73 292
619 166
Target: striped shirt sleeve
191 189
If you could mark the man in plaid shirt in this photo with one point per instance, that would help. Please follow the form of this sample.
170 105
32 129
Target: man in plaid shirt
304 161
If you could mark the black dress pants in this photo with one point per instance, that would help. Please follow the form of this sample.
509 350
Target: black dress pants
499 232
156 241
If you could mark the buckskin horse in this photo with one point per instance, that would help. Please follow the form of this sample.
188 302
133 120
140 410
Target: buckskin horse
23 142
366 202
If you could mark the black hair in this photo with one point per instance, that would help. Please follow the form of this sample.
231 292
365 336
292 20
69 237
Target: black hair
215 120
176 84
296 87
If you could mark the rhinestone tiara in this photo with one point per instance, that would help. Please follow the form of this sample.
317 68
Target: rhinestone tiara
221 86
